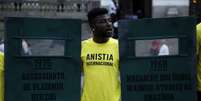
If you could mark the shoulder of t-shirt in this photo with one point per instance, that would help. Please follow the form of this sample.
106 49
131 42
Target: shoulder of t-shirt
114 40
198 30
1 54
86 41
198 26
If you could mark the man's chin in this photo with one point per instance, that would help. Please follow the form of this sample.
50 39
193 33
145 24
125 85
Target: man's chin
106 35
109 34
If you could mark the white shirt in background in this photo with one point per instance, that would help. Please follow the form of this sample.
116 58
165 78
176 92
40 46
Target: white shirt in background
2 47
164 50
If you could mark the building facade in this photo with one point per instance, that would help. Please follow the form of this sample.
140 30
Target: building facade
47 8
160 8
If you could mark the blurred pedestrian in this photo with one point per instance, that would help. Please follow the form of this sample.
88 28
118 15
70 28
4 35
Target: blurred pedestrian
164 49
155 47
2 45
114 19
26 48
60 5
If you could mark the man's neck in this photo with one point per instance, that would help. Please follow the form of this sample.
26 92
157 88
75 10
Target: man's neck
100 40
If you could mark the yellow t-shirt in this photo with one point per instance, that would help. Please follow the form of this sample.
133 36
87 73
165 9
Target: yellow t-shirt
101 71
1 76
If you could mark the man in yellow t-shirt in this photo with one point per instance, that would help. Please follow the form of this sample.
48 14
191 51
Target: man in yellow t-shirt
100 57
1 76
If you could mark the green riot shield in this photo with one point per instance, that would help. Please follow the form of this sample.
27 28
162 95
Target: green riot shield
42 59
157 59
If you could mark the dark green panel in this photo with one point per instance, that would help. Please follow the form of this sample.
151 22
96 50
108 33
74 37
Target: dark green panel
153 77
51 72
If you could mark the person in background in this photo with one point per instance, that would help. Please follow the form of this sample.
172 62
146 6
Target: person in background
114 18
155 47
164 49
159 48
2 46
2 76
198 53
26 48
100 60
